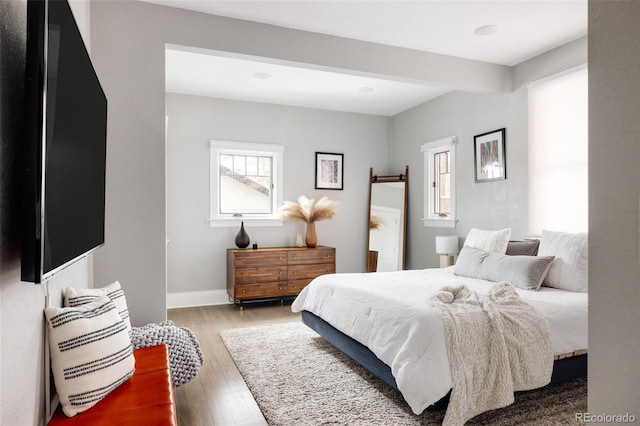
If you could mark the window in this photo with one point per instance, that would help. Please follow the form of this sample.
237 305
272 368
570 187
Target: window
439 172
558 151
246 183
442 184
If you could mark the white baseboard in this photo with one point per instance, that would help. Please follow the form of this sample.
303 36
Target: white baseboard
197 298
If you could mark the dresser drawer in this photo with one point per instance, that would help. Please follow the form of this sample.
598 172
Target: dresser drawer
260 258
252 291
299 272
296 286
317 255
259 274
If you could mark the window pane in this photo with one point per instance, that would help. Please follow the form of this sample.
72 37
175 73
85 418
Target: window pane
247 188
239 164
252 166
264 166
226 164
444 161
442 186
558 154
445 198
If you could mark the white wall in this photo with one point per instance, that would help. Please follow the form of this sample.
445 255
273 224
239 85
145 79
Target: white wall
614 216
196 256
22 393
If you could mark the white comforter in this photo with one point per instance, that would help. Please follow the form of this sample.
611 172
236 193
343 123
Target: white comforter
391 313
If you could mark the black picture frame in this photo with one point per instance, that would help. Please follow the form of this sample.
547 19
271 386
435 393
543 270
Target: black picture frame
489 155
329 171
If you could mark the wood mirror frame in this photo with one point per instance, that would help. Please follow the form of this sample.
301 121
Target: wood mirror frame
387 221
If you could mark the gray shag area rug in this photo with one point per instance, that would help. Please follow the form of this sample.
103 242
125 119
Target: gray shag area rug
298 378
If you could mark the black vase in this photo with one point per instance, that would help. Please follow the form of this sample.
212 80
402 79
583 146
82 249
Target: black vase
242 238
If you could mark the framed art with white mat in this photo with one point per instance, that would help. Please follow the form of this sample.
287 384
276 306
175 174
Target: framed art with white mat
489 155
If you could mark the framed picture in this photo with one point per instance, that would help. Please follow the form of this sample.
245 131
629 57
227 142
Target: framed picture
329 170
489 154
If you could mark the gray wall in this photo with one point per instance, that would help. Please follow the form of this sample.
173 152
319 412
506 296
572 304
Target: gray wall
614 217
463 114
129 59
196 259
554 61
128 41
490 205
22 384
493 205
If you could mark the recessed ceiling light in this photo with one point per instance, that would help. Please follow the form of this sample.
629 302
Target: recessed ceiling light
262 75
486 30
365 89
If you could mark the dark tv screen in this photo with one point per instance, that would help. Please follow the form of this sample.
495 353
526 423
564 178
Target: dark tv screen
70 142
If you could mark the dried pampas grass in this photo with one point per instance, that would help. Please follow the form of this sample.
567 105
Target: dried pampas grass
309 211
375 222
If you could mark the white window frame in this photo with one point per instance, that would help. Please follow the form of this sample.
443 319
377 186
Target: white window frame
429 150
276 152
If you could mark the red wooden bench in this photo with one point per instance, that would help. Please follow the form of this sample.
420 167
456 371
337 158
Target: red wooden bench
145 399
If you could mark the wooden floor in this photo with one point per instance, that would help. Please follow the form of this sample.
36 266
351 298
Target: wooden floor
218 395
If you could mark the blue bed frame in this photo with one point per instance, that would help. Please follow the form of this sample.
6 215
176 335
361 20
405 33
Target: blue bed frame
563 370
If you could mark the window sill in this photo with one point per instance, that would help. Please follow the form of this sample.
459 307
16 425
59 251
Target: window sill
235 222
439 223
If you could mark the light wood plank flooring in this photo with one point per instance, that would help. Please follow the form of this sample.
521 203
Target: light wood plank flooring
218 396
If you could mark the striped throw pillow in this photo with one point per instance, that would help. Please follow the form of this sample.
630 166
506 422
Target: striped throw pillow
81 296
91 353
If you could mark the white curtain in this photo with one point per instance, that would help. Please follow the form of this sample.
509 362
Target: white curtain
558 143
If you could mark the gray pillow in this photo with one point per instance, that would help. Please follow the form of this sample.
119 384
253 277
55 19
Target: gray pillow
526 272
523 248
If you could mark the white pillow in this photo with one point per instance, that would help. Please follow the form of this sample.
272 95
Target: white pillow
91 353
570 269
489 241
81 296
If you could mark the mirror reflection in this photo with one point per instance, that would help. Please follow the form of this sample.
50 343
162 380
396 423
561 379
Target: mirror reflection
387 222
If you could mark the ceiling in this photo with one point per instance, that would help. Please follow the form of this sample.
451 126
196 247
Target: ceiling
523 29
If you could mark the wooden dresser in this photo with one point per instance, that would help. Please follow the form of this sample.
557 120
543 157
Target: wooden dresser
277 272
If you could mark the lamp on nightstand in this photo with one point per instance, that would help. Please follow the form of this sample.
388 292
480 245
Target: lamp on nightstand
446 247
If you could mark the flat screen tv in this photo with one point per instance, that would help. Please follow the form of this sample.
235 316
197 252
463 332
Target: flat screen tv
65 148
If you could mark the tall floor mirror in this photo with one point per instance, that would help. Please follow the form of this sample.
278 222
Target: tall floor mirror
387 221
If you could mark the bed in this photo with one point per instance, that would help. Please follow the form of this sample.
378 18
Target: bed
386 321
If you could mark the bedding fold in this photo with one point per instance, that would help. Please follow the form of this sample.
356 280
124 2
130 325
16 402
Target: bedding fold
496 344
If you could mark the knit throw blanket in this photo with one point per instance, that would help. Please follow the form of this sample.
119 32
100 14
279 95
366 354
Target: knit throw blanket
185 356
496 343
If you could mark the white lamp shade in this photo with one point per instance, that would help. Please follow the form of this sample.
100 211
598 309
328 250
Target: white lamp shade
447 244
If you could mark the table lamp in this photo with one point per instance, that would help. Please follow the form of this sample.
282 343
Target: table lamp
446 247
